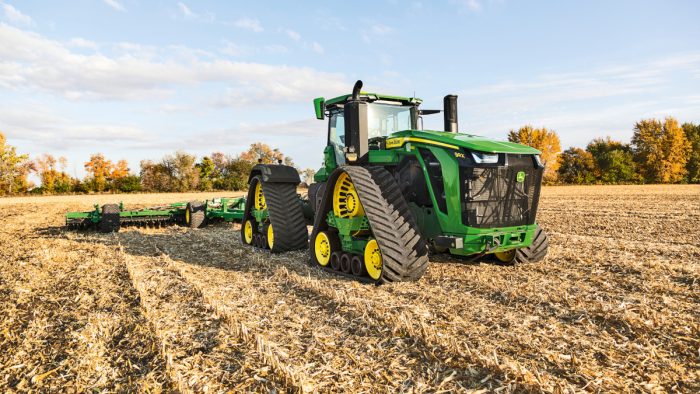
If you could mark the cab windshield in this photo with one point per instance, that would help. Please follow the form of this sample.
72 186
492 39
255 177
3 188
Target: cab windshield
384 119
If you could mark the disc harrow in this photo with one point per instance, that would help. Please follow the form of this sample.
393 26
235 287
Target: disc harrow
194 214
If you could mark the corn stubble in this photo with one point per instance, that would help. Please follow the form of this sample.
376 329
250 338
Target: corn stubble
614 307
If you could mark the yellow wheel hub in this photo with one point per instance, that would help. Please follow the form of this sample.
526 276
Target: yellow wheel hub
346 202
373 259
248 232
505 257
322 249
259 197
270 236
187 216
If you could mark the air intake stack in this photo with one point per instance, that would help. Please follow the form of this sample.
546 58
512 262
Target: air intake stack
450 105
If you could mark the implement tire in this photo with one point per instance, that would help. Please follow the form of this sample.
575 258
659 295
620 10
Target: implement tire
195 214
109 220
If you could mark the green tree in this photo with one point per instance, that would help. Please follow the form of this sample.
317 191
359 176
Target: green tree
692 134
544 140
577 166
207 173
661 150
614 161
127 184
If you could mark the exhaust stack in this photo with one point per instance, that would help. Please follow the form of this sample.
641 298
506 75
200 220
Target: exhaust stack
450 113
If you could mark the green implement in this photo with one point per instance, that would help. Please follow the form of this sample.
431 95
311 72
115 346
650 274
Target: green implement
111 217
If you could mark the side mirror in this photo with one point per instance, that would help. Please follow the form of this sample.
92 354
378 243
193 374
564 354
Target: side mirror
320 107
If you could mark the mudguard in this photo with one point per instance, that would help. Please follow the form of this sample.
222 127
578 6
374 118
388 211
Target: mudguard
275 173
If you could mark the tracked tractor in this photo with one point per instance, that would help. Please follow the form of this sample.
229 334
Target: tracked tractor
389 192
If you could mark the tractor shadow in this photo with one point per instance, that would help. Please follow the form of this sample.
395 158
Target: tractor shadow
218 246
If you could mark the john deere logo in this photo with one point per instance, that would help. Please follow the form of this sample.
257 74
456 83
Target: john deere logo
521 176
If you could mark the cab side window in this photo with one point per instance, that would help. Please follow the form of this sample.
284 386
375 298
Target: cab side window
336 136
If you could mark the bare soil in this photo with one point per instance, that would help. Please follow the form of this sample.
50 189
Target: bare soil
615 307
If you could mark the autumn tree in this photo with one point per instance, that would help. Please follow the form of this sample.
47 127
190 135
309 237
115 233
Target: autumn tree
14 169
155 177
614 161
577 166
259 152
99 169
692 134
661 150
120 170
544 140
181 167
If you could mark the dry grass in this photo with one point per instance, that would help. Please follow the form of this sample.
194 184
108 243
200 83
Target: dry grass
614 307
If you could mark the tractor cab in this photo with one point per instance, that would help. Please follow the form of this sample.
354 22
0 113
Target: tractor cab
361 121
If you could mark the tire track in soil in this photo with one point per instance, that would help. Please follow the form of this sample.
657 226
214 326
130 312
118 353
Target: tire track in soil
70 319
440 353
202 351
240 285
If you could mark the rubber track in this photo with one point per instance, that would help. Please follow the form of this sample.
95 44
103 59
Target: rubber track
285 214
536 251
404 252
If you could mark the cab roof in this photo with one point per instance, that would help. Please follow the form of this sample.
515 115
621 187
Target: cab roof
374 97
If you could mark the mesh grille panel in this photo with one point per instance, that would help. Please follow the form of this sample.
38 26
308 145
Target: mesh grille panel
493 197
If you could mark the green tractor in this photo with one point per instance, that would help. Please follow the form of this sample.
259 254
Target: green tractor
389 192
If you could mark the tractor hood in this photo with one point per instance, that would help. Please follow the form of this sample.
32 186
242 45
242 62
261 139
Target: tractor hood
458 140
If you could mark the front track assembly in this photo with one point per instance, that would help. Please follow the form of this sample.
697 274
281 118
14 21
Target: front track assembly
364 228
273 217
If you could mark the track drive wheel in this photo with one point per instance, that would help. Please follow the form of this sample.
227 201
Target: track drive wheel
109 220
531 254
195 214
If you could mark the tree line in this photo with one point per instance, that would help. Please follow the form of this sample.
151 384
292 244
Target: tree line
177 172
660 151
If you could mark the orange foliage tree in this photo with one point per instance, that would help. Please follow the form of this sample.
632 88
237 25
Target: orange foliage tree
99 169
544 140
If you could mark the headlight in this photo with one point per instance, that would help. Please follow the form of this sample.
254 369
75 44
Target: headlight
485 158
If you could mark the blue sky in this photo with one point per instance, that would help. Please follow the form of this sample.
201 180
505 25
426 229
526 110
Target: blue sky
137 79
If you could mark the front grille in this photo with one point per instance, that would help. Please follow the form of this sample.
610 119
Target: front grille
492 195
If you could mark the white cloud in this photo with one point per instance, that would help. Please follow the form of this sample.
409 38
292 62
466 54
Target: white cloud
52 131
293 34
186 12
249 24
381 29
468 5
31 61
115 4
15 16
580 105
316 47
78 42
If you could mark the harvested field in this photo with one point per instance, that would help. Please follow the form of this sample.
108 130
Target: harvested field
615 307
